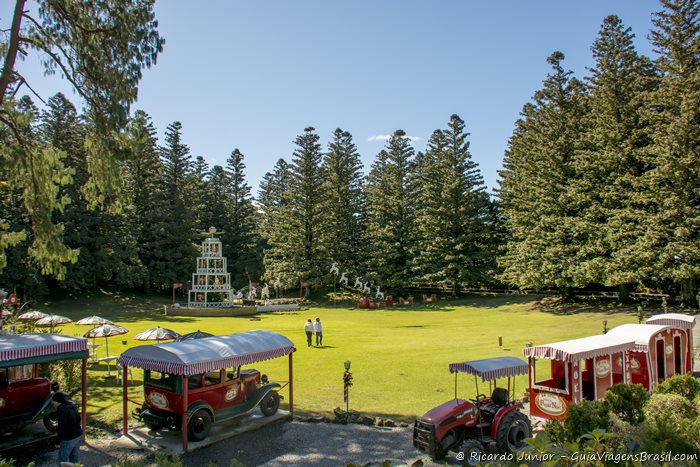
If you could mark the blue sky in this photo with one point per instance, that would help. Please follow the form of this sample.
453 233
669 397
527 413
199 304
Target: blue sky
252 75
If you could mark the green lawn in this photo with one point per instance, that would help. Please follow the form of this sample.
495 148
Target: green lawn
399 356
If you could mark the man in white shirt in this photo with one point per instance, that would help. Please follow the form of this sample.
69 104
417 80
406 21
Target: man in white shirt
309 330
319 332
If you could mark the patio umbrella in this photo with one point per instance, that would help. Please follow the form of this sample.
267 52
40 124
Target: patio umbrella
106 331
195 335
32 316
52 320
6 313
157 334
93 321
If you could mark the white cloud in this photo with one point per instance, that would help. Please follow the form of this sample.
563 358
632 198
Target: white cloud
387 137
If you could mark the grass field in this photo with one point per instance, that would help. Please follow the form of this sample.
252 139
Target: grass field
399 356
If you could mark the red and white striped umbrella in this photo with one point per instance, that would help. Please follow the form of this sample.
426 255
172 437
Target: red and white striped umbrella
93 321
32 316
106 330
53 320
157 334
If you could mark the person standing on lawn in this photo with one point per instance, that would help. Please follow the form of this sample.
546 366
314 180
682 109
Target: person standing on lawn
318 329
309 329
70 434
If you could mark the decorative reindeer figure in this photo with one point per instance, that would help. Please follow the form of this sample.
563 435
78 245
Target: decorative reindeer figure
344 278
366 289
379 295
358 283
334 269
265 293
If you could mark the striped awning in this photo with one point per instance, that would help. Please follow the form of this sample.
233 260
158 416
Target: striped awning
23 346
642 334
491 368
579 349
208 354
678 320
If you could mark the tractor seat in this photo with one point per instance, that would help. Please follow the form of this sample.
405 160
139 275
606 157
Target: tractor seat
499 397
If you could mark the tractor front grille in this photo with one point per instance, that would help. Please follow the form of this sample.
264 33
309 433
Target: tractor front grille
424 436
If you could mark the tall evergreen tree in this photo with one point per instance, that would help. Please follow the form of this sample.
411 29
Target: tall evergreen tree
177 232
452 211
144 180
219 197
391 205
303 212
274 205
240 232
342 208
609 185
538 167
673 233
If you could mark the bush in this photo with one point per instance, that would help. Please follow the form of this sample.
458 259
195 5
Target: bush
586 417
670 425
683 385
627 401
555 431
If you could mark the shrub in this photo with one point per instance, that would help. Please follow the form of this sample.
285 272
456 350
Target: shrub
627 401
683 385
586 417
555 431
670 425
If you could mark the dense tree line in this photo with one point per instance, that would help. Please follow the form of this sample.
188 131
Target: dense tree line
599 186
600 180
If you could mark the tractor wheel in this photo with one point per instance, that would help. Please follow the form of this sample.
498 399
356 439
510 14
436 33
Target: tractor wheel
51 421
512 430
270 404
470 452
199 425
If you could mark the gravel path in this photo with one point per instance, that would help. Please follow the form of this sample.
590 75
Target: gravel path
287 444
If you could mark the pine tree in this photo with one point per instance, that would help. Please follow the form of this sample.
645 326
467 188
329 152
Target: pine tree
273 228
391 197
176 233
609 185
143 178
303 212
200 194
452 212
538 167
219 198
672 237
240 232
342 208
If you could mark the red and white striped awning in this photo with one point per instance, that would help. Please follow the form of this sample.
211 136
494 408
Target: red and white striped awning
642 334
678 320
208 354
491 368
579 349
23 346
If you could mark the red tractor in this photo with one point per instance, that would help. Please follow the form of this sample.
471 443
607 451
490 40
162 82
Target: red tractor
467 427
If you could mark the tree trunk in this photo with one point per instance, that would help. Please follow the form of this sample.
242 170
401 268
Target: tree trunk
11 56
689 293
567 294
623 293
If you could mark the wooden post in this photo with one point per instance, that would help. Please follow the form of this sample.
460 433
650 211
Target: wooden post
125 399
291 384
83 403
185 418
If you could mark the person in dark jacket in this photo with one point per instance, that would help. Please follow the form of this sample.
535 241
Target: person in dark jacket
70 433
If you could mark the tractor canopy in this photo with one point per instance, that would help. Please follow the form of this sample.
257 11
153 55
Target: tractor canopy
490 369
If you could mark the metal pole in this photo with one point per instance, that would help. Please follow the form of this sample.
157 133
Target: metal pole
125 400
455 385
291 385
83 403
185 417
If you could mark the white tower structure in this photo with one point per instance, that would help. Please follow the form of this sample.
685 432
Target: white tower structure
211 284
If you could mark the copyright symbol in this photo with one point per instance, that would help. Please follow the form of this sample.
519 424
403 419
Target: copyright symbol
460 456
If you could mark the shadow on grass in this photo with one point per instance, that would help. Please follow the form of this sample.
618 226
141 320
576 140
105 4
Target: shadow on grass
556 306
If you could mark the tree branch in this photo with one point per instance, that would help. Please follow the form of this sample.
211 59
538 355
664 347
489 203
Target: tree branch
61 10
12 50
22 81
69 76
14 130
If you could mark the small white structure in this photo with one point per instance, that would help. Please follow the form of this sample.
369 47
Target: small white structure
211 284
344 278
358 282
379 295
